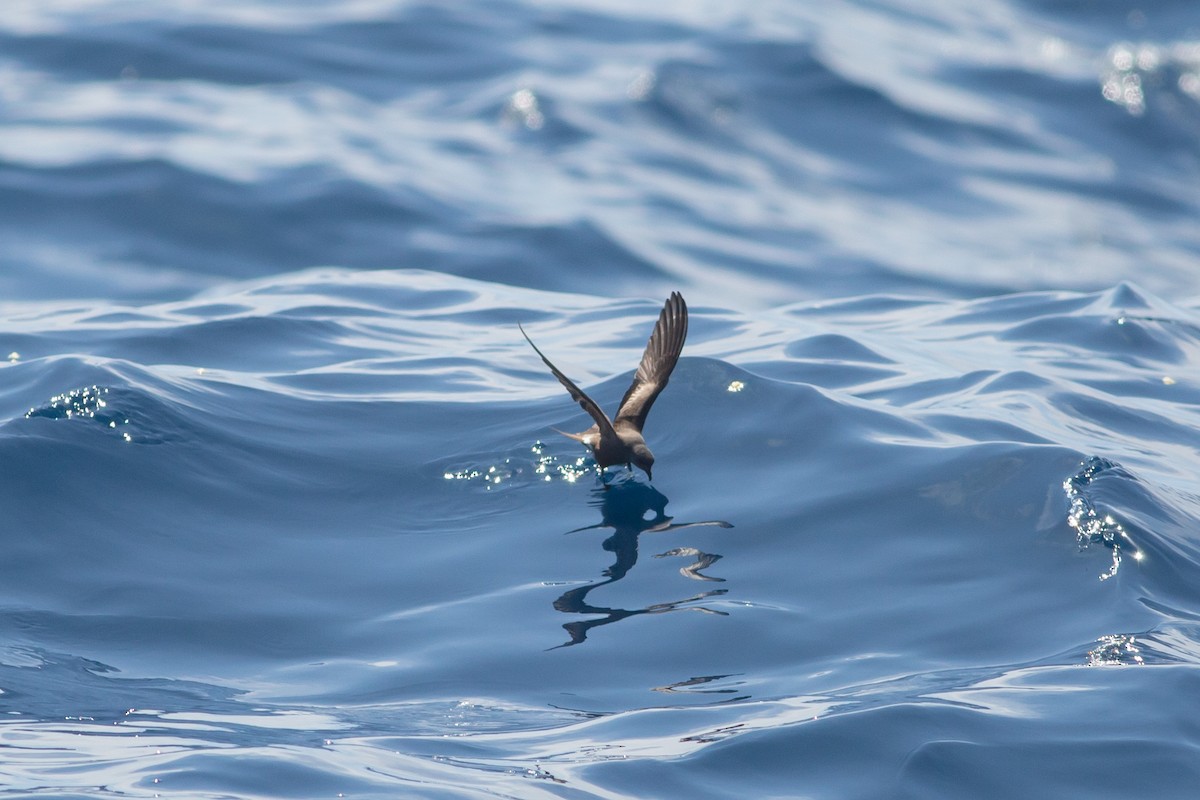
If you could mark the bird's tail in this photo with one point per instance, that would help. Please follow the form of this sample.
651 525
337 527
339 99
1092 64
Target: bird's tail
576 436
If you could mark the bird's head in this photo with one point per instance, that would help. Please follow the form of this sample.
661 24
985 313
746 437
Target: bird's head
643 459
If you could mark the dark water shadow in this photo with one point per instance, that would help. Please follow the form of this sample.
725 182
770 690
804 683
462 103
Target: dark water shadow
631 509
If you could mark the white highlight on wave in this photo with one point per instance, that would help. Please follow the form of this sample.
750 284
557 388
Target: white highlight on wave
1090 527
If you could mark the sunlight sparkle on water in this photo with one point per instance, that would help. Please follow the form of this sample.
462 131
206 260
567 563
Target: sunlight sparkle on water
523 109
1115 650
85 403
542 467
1090 527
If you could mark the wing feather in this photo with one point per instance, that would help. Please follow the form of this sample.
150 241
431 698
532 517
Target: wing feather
577 394
662 353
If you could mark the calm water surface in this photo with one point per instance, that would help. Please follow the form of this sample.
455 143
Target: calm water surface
283 511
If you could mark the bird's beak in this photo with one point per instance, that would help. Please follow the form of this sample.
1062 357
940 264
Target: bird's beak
649 477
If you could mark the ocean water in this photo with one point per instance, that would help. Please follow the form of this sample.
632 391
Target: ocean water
283 512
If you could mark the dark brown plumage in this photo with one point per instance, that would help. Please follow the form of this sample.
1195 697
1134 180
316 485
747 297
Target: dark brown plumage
620 440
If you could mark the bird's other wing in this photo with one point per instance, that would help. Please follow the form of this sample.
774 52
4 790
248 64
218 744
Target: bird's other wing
577 394
662 352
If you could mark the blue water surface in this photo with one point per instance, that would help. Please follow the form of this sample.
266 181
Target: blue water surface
283 510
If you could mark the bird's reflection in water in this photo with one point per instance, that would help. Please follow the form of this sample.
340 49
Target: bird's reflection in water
631 508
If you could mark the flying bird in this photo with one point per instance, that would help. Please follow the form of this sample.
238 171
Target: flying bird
620 440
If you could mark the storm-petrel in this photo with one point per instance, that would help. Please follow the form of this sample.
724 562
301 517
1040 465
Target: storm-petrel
620 441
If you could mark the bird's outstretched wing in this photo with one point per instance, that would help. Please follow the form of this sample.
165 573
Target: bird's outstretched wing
662 351
577 394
